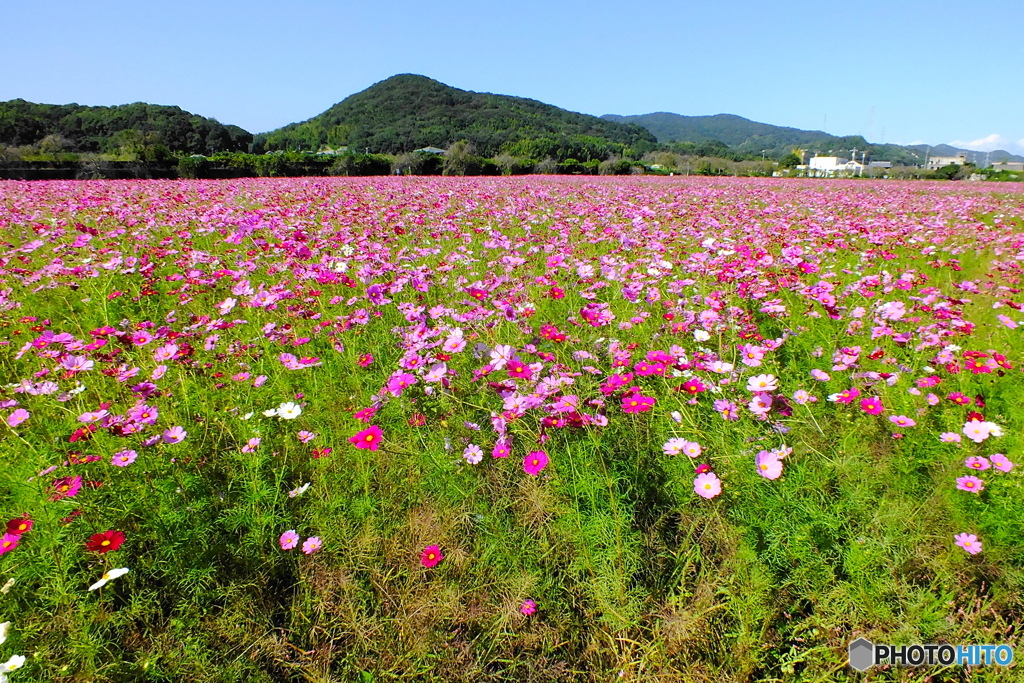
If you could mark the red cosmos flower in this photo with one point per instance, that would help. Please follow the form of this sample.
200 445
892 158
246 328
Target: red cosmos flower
417 420
368 438
105 542
19 526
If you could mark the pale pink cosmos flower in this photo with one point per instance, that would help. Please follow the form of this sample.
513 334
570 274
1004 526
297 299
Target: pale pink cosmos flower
902 421
692 449
174 435
1001 462
311 545
762 383
306 437
252 445
977 431
769 465
674 446
707 485
976 462
473 454
124 458
949 437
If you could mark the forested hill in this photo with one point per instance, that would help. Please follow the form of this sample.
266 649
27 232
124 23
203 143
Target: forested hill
78 128
407 112
751 137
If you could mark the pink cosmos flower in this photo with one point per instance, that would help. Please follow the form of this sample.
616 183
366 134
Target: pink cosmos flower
17 417
288 540
970 483
175 434
66 487
473 454
976 462
399 382
1001 462
707 485
901 420
311 545
431 556
768 465
124 458
968 542
368 438
528 607
535 462
872 406
949 437
501 449
252 445
306 437
847 396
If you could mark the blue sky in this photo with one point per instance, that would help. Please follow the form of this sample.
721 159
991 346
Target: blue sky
894 70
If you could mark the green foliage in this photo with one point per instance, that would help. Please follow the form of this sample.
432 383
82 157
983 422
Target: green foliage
95 129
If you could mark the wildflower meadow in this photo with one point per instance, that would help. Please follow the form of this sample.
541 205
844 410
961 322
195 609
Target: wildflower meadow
507 429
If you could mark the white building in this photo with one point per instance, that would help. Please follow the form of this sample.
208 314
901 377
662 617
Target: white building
830 166
934 163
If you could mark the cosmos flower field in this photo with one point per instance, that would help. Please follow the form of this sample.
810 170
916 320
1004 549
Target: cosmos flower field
537 429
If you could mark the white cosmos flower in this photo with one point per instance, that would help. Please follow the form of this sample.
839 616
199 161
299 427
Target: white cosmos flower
701 335
289 410
299 491
7 587
4 629
270 413
15 662
109 576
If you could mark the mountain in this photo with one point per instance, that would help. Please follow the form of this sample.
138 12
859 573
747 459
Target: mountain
103 129
408 112
973 156
752 138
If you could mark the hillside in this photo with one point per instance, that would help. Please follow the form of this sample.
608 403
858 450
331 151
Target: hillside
408 112
102 129
751 137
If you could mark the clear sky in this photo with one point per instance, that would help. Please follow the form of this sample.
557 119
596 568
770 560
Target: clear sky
937 71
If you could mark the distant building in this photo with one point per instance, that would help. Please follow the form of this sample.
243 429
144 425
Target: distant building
1008 166
934 163
431 150
880 164
830 166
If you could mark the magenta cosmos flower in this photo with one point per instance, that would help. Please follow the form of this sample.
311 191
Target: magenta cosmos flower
528 607
368 438
872 406
431 556
535 462
9 542
637 403
968 542
707 485
970 483
288 540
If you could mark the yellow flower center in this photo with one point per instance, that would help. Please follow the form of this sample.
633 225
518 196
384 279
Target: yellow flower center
105 543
